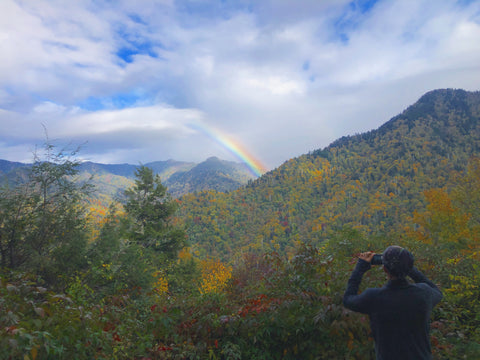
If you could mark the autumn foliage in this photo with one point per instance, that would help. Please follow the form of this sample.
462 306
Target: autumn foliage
266 265
215 276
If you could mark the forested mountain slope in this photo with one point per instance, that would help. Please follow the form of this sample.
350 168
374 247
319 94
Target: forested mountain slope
371 182
213 173
8 166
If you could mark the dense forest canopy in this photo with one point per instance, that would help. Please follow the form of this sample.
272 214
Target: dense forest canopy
371 182
255 273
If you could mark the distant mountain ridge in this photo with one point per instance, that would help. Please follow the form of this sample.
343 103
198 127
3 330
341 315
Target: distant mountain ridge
7 166
163 168
212 174
178 176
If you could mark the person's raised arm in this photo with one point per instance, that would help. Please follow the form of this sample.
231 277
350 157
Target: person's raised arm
351 299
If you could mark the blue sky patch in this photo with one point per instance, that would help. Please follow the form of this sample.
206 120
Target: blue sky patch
348 22
127 53
136 18
91 104
117 101
465 2
208 11
134 43
362 6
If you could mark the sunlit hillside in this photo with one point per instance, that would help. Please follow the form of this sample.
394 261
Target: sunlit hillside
371 182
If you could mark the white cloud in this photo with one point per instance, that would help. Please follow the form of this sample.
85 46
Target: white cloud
152 119
48 107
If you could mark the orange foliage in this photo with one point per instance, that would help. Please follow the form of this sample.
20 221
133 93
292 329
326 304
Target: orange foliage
215 276
442 223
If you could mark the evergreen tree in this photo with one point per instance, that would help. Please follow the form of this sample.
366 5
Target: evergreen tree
43 220
150 208
15 205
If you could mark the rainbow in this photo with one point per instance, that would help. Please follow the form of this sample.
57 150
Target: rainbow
233 146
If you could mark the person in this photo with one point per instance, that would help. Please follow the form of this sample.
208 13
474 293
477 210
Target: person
399 311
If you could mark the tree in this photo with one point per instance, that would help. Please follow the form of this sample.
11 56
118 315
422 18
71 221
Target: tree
43 220
15 205
467 192
149 210
443 224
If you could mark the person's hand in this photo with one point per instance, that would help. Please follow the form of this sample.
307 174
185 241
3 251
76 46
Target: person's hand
366 256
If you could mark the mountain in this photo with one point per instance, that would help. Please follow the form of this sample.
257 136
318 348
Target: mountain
213 173
110 180
12 172
165 169
179 177
125 170
8 166
370 182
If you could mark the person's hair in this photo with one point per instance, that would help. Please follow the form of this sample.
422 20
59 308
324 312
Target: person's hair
398 261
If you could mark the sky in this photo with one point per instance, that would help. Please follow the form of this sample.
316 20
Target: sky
257 81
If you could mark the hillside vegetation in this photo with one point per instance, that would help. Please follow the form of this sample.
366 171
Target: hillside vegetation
256 273
370 182
212 174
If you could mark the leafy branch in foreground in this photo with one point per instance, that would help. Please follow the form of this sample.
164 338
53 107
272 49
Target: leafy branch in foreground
43 220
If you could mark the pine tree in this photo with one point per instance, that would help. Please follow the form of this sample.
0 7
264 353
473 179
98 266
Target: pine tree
43 220
149 209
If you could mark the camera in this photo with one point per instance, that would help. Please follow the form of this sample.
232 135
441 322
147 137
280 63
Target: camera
377 259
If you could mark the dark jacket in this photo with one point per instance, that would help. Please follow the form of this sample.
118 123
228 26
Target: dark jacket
399 313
